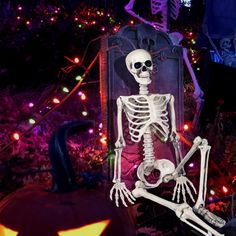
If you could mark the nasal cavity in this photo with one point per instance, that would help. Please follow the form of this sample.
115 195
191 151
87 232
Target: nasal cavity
144 68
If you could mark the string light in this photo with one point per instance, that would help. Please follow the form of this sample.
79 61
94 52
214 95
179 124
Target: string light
65 89
83 97
103 140
186 127
225 189
91 131
212 192
84 113
56 100
76 60
16 136
31 104
191 165
32 121
78 77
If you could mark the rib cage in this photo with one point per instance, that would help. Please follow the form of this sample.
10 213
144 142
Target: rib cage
147 111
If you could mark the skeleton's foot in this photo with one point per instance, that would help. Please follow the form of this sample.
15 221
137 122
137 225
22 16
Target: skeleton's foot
210 217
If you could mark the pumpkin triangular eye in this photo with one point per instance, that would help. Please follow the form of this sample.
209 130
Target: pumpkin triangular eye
7 232
95 229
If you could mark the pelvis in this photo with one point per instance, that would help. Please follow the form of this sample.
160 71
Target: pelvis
152 174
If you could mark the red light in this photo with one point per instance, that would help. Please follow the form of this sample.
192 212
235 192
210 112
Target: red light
131 22
27 22
76 60
56 100
115 29
83 97
16 136
186 127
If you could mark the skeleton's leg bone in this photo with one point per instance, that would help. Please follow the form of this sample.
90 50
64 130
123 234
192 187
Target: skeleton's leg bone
200 203
183 211
140 192
205 151
188 214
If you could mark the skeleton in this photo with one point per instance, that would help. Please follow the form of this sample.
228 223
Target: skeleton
147 114
158 7
162 7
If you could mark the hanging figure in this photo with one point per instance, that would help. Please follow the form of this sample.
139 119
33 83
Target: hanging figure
153 114
166 9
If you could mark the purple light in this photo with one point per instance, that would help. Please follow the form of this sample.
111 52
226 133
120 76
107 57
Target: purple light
100 126
31 104
191 165
210 198
135 166
91 131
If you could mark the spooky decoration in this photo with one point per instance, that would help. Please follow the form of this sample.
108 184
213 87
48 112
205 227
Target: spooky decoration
33 210
171 8
148 115
198 94
158 7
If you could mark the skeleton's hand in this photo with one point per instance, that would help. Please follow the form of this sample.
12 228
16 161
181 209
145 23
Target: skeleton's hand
182 186
121 192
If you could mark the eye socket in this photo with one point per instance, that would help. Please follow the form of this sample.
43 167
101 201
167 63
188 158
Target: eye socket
137 65
148 63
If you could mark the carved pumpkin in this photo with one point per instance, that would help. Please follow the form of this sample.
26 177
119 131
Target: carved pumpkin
31 211
67 210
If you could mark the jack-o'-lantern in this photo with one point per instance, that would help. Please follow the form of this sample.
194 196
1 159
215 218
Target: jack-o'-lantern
31 211
66 210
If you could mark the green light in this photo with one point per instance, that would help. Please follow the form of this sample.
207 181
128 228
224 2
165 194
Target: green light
65 89
78 77
32 121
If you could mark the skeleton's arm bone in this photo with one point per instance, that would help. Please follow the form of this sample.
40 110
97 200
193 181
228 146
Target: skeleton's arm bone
129 8
120 143
196 143
198 93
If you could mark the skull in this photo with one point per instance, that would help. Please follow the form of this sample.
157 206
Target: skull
139 64
225 44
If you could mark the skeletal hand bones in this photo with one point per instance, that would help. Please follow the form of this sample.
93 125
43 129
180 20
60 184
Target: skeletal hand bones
181 186
121 192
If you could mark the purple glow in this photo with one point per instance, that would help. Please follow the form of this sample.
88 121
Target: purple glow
91 131
191 165
210 198
31 104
